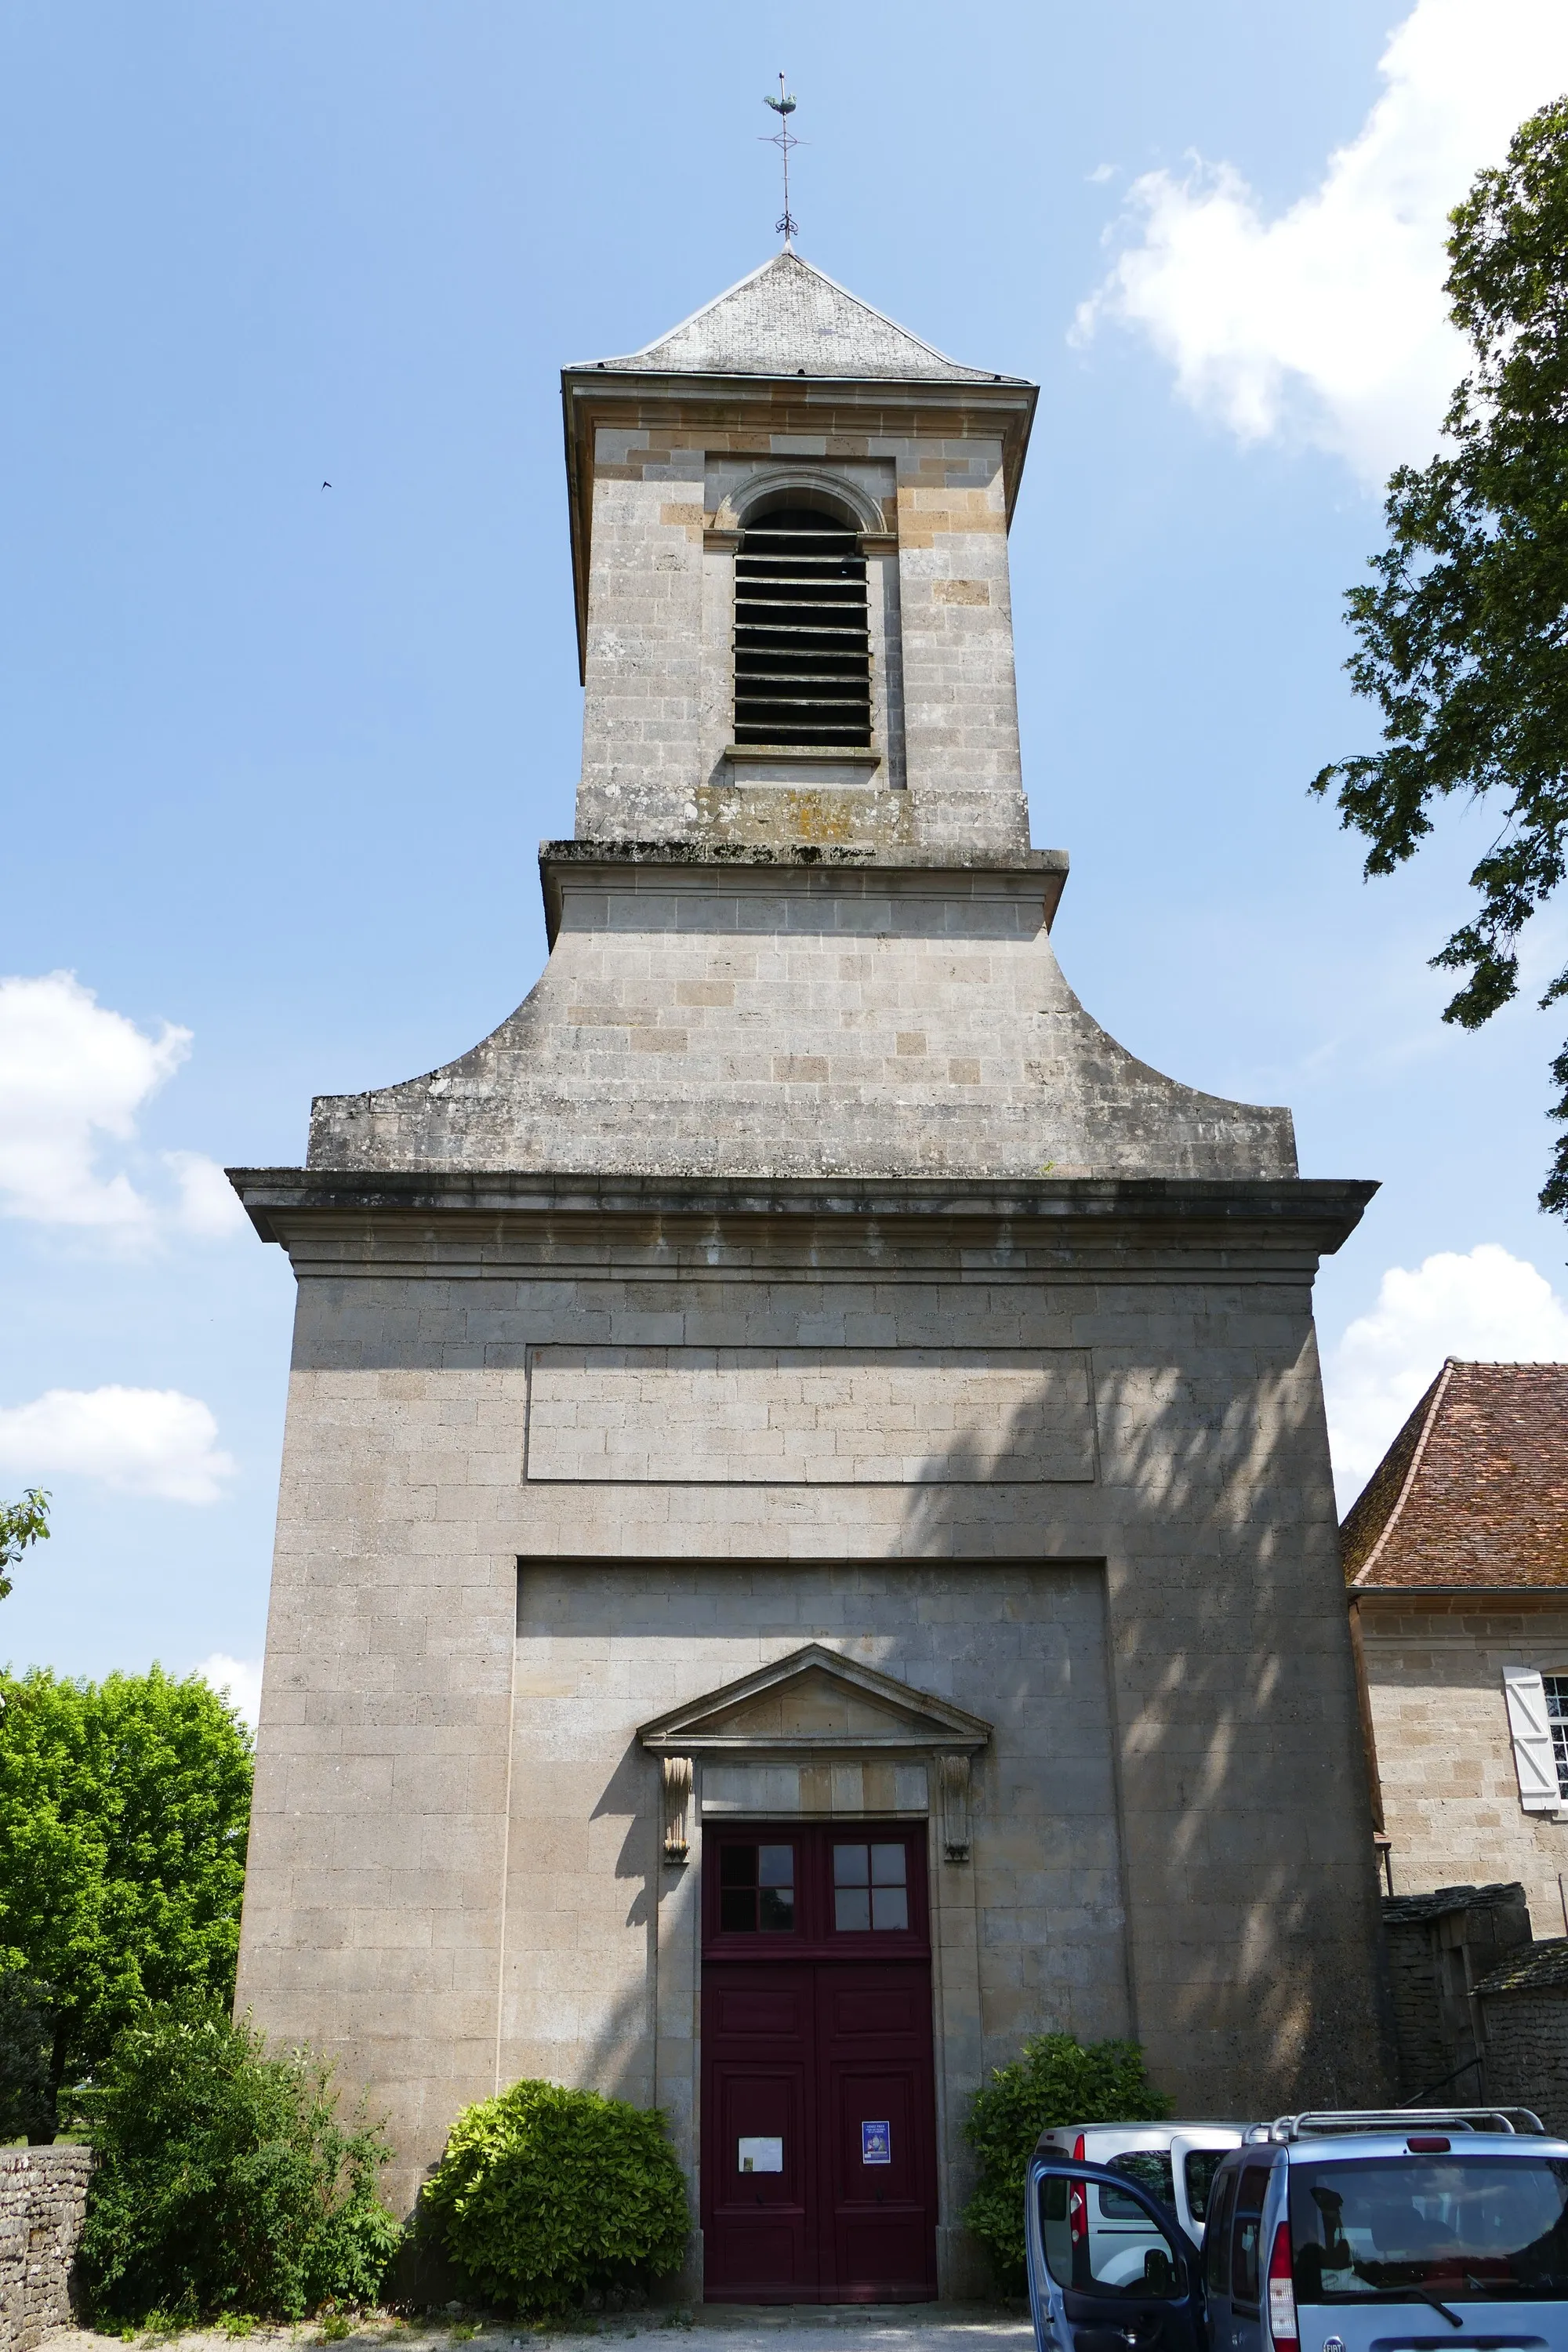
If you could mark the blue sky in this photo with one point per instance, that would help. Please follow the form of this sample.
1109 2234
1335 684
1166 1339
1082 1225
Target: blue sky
275 759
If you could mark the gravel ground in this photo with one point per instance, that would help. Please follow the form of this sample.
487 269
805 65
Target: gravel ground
799 2327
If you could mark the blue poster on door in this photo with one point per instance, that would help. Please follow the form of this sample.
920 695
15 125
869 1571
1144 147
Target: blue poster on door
875 2143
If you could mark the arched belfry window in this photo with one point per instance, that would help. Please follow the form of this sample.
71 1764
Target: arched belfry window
803 659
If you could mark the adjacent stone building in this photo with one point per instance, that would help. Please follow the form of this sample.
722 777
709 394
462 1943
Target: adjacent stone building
1456 1558
806 1552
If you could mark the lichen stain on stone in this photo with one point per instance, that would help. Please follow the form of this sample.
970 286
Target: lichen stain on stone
785 815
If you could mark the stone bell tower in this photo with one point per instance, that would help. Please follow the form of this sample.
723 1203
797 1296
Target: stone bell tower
806 1552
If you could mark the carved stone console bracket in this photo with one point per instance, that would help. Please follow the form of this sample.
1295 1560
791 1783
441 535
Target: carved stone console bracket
952 1779
675 1773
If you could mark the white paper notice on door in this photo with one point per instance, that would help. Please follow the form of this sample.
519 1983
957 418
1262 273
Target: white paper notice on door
761 2155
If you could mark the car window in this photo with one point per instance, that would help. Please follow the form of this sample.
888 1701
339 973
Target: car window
1095 2262
1151 2169
1249 2196
1198 2171
1487 2228
1217 2245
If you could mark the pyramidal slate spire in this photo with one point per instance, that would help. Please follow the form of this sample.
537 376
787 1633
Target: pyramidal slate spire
788 318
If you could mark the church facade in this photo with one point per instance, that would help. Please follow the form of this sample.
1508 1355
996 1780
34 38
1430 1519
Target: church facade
807 1552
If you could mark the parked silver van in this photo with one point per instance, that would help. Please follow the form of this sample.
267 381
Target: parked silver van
1327 2233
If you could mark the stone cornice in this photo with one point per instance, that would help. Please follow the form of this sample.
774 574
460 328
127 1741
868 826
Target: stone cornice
796 866
481 1223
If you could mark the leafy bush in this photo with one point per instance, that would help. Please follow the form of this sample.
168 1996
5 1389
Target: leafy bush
225 2183
1055 2081
545 2195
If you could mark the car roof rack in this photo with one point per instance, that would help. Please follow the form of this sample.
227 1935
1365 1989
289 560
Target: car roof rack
1324 2122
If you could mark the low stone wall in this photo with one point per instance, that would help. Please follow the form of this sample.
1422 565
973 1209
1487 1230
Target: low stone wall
43 2195
1526 2052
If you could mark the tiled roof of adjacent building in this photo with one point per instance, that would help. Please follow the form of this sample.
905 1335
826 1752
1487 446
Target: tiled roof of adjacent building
1535 1968
1473 1493
787 318
1416 1910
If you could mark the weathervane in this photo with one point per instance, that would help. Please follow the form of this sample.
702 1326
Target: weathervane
784 139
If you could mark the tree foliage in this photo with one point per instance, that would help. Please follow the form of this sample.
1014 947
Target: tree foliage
21 1524
1462 633
1055 2080
123 1809
545 2194
224 2182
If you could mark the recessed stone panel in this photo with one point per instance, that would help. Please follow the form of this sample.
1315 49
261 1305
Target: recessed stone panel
811 1416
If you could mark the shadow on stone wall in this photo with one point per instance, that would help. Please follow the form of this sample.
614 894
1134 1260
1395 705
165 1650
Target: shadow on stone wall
1246 1824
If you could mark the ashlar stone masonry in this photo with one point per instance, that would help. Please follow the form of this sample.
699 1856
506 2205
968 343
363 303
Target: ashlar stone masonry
801 1372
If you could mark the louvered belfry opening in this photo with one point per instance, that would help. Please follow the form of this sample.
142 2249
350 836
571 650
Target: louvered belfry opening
803 657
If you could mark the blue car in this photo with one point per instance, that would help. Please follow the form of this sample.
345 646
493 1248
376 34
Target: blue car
1393 2231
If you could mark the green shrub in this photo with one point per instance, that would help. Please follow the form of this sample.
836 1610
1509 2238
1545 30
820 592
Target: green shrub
1055 2081
225 2183
545 2195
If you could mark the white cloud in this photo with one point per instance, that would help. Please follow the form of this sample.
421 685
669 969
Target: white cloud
209 1206
240 1679
71 1073
146 1442
1329 321
73 1077
1487 1306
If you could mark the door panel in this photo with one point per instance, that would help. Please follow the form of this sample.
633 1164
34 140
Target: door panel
758 2063
875 2064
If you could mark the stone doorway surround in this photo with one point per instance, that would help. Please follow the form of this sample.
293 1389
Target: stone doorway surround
818 1735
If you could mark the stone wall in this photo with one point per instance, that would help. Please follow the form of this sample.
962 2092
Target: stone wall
1526 2052
1444 1757
1440 1947
43 2197
754 1015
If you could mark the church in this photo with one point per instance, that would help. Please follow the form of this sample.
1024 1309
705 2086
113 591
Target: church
805 1552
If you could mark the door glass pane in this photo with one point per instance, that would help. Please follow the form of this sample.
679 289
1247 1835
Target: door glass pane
775 1909
851 1907
890 1907
851 1866
1151 2168
737 1910
1201 2164
1244 2248
887 1864
1216 2239
1137 2264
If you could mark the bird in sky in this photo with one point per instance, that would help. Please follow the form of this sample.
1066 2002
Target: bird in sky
326 486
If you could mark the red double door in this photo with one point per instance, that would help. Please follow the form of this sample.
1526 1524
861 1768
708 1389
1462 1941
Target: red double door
818 2109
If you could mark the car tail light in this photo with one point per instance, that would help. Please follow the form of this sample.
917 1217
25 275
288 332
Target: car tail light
1282 2293
1429 2144
1077 2200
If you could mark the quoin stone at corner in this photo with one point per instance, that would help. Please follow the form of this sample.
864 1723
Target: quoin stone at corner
807 1552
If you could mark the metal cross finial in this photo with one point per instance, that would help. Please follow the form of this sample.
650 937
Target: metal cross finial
784 139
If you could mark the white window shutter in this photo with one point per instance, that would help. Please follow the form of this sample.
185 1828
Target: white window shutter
1531 1735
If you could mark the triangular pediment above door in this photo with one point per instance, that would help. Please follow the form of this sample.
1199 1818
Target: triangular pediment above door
815 1700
